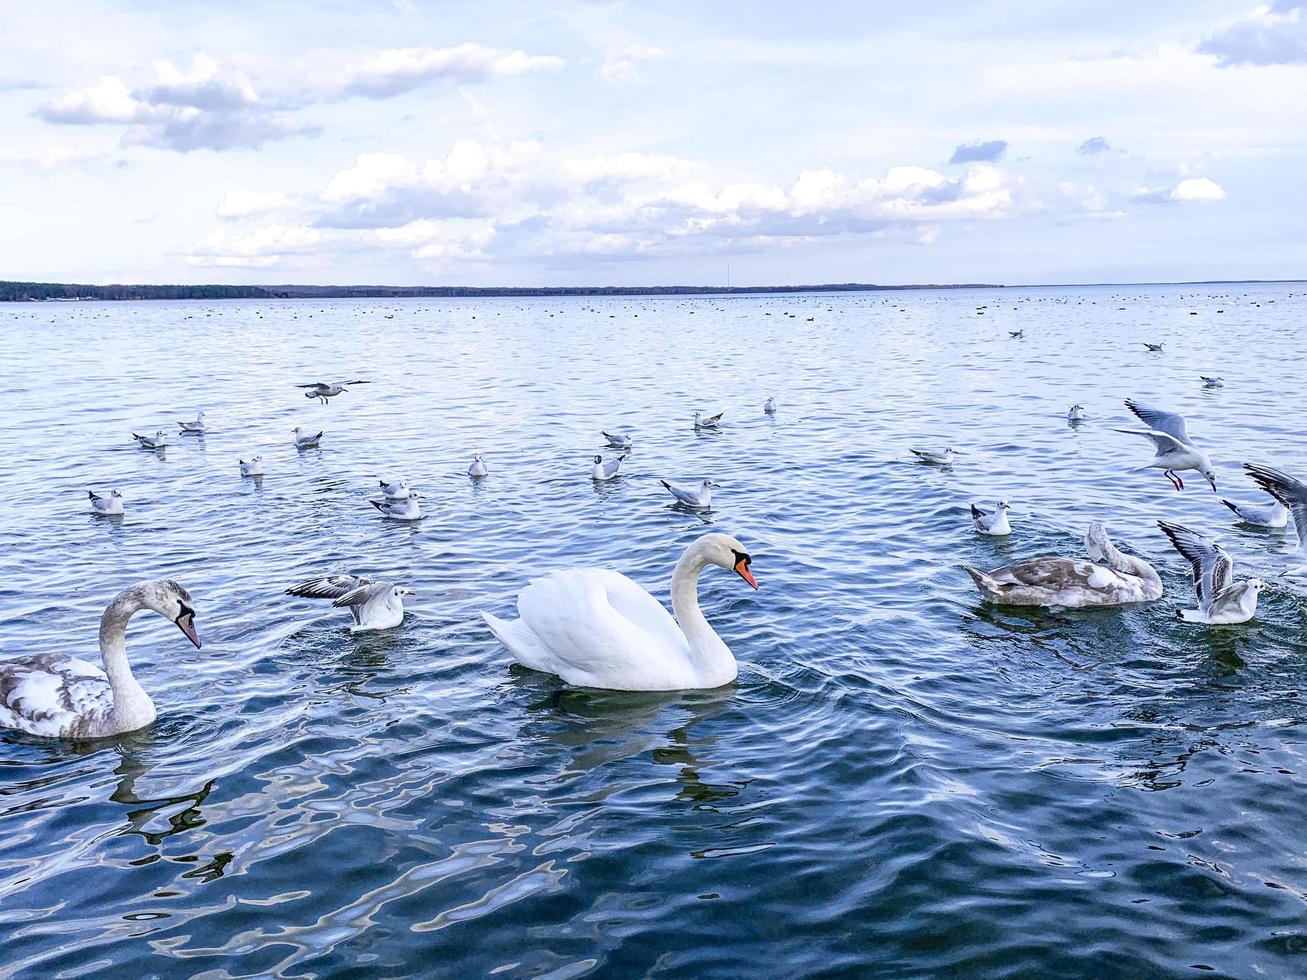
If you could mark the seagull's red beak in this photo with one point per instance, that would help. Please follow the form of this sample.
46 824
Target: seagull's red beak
742 570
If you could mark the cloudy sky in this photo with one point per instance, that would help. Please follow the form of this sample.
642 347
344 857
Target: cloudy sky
580 142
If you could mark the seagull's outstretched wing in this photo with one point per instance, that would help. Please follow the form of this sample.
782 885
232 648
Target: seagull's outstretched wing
1213 568
1287 490
1171 423
1164 441
354 382
316 384
328 587
365 593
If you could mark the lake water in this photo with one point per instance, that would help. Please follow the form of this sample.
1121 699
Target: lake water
903 780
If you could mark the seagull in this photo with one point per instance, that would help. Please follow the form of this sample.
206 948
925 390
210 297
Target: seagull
156 441
699 498
305 442
993 523
374 605
1275 516
607 471
404 509
478 468
1212 382
617 441
712 422
1076 413
1221 600
322 391
253 468
933 458
769 406
1016 334
110 506
394 490
1155 348
1174 449
1292 493
193 428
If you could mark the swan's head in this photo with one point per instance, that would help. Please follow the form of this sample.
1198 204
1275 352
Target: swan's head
171 601
727 552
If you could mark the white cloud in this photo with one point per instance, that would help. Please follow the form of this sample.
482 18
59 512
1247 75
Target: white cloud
620 64
1188 191
398 70
1272 34
242 203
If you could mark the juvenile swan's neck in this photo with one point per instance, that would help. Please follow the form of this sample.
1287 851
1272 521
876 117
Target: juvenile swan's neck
132 707
1113 558
712 661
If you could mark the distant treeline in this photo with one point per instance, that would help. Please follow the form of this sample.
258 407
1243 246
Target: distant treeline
22 291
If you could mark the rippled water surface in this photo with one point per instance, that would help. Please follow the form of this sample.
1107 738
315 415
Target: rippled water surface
903 780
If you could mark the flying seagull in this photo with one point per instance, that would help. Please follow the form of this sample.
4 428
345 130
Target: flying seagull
1175 451
322 391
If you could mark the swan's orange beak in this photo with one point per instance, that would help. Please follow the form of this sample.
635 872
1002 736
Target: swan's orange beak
742 570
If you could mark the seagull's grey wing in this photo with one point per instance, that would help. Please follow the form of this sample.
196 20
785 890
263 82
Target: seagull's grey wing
327 587
610 469
1287 490
713 419
365 593
978 514
316 384
1213 568
359 382
1155 418
922 454
1164 442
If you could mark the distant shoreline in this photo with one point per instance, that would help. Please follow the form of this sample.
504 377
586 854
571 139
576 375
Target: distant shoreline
19 292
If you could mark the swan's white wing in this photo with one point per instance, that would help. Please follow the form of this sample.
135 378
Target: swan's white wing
596 627
53 695
1172 423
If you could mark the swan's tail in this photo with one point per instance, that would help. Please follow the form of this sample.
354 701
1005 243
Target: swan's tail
525 647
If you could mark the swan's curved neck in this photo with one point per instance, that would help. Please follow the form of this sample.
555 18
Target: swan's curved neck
710 657
1128 564
129 699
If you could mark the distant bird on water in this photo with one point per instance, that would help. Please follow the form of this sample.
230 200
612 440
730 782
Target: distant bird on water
406 509
110 506
607 471
195 428
1212 382
993 523
1016 334
1274 516
769 406
617 440
1221 600
935 458
309 441
156 441
1175 451
712 422
1155 348
1076 413
698 497
394 489
253 468
322 391
372 605
478 468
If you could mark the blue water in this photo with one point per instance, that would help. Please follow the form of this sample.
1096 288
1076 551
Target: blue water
903 781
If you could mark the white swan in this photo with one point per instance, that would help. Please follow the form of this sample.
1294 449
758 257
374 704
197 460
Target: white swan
1111 579
596 628
63 697
374 605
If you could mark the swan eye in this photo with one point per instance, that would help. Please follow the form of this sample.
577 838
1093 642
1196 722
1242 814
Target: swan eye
741 558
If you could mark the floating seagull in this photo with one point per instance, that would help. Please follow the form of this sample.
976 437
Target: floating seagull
933 458
478 468
306 442
769 406
1212 382
395 489
712 422
193 428
322 391
373 605
1175 450
617 441
253 468
699 498
1016 334
1275 516
1221 600
993 523
156 441
110 506
1290 492
1155 348
1076 413
404 509
607 471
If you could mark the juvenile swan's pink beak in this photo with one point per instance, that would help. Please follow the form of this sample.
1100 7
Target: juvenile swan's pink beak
187 625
